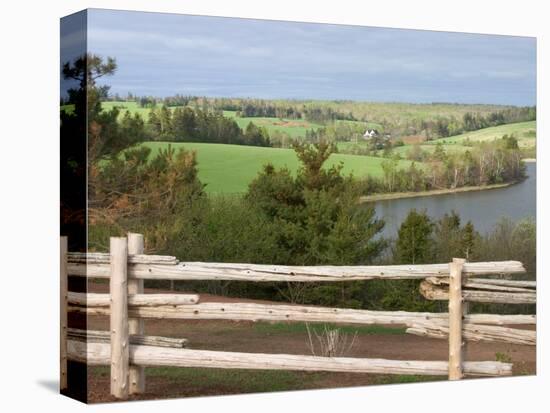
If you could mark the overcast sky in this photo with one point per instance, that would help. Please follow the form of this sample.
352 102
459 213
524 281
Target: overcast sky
165 54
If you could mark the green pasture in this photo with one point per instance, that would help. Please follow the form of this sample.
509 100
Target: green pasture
132 107
524 132
230 168
295 128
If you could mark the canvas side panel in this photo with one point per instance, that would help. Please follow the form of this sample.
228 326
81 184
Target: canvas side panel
73 168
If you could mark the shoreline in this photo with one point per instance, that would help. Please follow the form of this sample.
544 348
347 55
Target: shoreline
402 195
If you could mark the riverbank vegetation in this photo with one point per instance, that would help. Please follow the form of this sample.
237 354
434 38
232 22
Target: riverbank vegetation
484 165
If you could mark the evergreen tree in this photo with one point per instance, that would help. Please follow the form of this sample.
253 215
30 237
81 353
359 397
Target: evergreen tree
469 239
414 243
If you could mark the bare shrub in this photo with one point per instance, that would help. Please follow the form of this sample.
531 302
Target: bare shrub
295 292
330 342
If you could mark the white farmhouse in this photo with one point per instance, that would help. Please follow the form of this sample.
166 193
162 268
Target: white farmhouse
370 133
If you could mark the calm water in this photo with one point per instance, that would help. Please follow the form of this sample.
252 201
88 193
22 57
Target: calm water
483 208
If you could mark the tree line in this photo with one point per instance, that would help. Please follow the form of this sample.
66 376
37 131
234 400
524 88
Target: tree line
486 164
425 119
184 124
475 121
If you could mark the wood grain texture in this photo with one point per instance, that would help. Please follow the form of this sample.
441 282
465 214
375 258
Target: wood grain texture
480 284
119 318
455 319
434 292
296 313
144 300
135 325
509 283
476 332
267 273
136 258
99 354
97 336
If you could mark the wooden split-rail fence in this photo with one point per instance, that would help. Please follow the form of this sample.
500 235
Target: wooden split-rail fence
127 350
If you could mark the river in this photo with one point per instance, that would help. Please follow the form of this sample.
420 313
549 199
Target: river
483 208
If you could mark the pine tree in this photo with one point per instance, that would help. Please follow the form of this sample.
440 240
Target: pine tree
469 236
414 243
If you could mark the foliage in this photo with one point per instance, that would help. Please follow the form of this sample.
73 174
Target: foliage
317 219
157 197
184 124
503 357
485 164
414 243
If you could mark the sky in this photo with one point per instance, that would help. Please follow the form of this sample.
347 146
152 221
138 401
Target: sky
166 54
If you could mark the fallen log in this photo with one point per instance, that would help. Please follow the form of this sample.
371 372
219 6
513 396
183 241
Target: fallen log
97 336
477 332
270 312
264 273
99 354
433 292
144 300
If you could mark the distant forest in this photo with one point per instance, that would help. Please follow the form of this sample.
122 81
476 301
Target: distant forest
435 120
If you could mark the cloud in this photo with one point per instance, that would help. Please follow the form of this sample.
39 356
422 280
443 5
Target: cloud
211 55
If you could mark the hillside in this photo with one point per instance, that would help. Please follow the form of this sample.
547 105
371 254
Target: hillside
524 132
230 168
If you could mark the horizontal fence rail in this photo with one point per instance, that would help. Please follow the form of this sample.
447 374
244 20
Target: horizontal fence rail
432 291
145 300
476 327
171 308
263 273
128 350
475 332
99 354
97 336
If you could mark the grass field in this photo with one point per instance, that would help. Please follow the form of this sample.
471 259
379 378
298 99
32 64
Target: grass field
132 107
230 168
524 132
294 127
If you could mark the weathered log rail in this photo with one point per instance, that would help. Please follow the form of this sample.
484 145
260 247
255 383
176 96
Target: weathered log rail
98 354
128 350
434 290
297 313
97 336
189 271
475 332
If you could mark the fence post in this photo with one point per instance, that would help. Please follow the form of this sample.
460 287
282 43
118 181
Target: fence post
455 319
119 317
135 325
465 311
63 296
